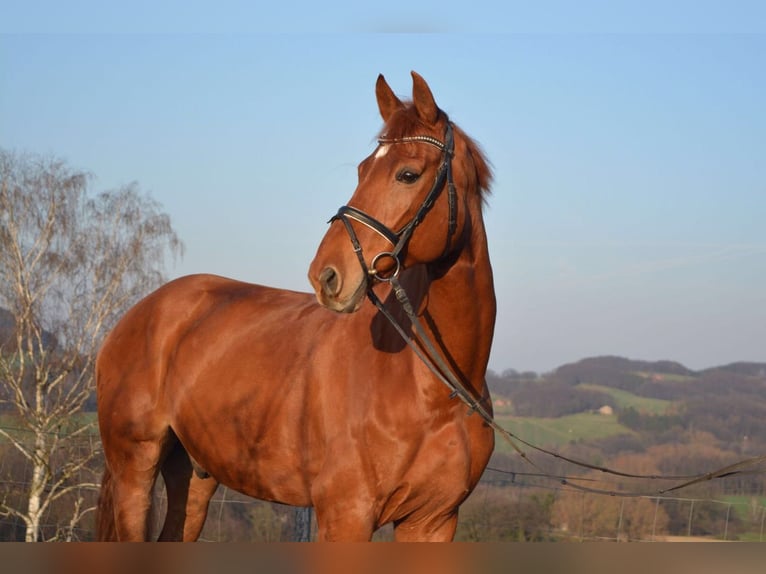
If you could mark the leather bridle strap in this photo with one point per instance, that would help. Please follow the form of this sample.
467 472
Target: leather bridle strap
444 173
438 366
399 240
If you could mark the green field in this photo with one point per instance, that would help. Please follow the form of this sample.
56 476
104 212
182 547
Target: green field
748 508
556 432
559 431
624 399
751 511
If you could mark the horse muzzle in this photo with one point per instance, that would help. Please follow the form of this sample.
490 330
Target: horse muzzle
330 293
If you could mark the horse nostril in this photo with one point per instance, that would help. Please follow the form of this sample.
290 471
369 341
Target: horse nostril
330 281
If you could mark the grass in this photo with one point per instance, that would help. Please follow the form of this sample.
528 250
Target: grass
624 399
748 508
10 423
560 431
585 426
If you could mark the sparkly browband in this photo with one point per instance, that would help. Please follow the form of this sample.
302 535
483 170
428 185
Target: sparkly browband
426 139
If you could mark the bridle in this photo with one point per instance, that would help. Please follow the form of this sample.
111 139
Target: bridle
426 350
400 239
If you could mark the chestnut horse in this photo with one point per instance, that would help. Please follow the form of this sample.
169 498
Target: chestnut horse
317 399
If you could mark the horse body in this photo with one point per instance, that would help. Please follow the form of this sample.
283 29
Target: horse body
210 380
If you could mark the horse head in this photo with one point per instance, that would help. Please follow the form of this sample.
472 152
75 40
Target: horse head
415 200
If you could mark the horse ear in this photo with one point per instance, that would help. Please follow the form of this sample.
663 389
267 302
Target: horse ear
425 105
388 103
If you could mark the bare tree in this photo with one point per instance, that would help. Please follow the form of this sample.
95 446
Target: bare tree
70 264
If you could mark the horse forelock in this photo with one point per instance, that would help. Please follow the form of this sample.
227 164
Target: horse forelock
405 122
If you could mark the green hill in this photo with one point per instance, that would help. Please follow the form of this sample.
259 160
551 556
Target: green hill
560 431
625 399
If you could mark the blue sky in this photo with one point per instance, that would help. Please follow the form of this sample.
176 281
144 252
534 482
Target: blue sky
629 149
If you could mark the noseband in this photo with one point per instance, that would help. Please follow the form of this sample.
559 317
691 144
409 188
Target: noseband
400 239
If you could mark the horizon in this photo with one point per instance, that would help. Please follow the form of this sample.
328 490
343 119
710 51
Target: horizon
629 359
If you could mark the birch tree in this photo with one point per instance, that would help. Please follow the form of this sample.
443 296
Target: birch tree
70 264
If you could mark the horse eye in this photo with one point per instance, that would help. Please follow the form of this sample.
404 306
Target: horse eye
407 176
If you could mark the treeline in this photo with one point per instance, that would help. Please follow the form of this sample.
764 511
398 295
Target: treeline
554 399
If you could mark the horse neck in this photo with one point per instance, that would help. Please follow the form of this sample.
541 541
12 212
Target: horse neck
460 307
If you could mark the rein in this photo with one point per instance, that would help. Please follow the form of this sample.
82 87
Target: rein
436 364
428 353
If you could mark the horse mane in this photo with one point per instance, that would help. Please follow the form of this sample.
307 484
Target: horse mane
405 122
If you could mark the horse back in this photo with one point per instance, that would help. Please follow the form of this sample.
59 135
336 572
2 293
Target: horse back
154 351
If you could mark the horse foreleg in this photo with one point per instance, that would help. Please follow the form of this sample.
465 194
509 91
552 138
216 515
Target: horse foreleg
345 527
188 497
430 529
343 515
